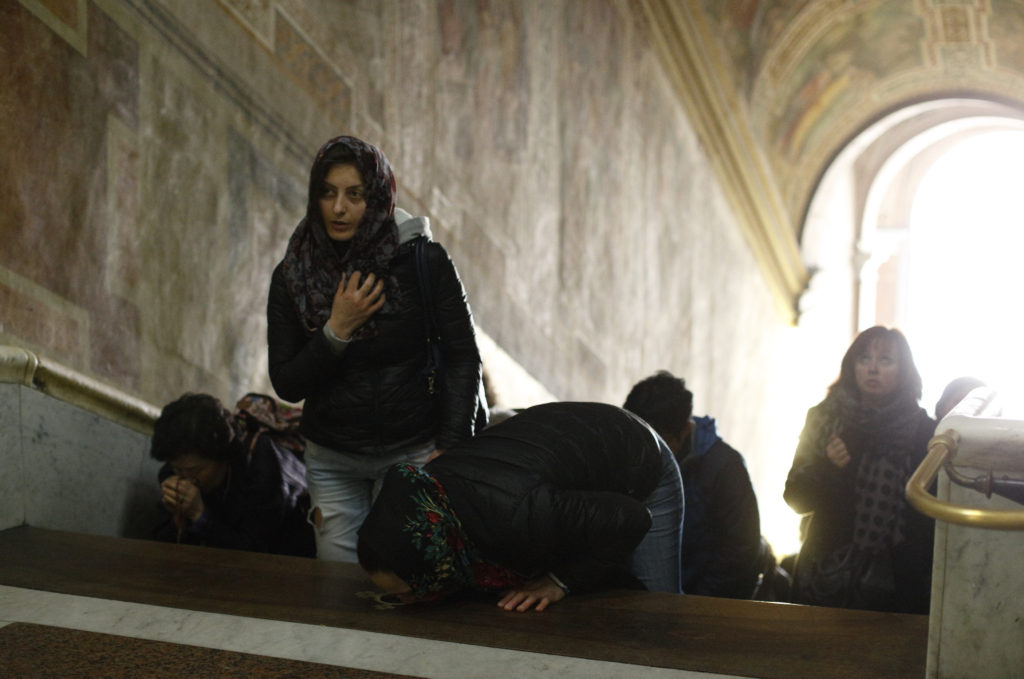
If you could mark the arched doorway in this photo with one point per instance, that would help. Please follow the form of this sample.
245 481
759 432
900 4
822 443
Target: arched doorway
964 273
916 225
885 245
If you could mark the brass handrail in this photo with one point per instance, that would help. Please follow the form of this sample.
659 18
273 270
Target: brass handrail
21 366
941 450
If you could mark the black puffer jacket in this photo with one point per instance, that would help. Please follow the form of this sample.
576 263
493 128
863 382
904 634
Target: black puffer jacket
722 525
373 397
560 488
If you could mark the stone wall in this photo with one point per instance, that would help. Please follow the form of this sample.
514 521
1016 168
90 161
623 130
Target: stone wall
155 156
66 468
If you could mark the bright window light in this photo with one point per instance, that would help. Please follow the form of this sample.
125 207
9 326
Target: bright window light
966 270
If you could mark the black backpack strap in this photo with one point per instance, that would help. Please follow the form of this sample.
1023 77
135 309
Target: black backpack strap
433 333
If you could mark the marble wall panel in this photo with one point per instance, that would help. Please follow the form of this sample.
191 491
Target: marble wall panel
977 621
542 139
57 101
84 473
12 493
40 318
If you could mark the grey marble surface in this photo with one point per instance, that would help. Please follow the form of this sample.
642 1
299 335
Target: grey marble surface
68 469
12 498
311 643
977 623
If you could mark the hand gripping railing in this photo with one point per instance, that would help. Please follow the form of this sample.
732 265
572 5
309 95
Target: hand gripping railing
992 445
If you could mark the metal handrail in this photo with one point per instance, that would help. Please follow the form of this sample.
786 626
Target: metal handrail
942 449
21 366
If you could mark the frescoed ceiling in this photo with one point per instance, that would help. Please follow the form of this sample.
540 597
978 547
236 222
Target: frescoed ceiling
785 84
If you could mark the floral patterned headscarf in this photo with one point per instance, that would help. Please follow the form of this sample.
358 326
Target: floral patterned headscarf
313 263
413 527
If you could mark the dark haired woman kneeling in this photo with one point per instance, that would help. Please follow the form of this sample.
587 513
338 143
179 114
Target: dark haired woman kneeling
222 493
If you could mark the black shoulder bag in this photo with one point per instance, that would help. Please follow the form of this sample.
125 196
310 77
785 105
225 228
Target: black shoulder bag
434 369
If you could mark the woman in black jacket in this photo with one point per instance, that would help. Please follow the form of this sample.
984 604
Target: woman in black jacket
347 333
866 547
553 500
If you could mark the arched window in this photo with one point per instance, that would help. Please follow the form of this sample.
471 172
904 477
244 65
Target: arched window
965 274
916 224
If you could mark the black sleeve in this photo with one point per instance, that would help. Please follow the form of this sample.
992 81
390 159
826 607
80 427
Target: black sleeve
298 363
462 365
813 481
165 530
923 436
254 508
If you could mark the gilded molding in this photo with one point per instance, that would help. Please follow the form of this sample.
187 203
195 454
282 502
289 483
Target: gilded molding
20 366
732 150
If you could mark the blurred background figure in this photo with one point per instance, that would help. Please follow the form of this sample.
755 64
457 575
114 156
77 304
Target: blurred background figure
955 392
865 546
722 548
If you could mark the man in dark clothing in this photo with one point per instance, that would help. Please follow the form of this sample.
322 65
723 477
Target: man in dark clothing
721 546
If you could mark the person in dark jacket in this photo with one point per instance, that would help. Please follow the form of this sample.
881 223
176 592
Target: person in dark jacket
956 391
722 546
552 501
347 333
866 547
222 491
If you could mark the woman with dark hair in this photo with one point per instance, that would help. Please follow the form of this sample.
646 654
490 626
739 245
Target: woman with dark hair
561 498
222 490
865 546
347 333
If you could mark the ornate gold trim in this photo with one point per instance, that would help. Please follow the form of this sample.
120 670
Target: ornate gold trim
732 151
20 366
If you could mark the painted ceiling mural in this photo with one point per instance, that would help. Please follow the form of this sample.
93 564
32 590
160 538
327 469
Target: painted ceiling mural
811 74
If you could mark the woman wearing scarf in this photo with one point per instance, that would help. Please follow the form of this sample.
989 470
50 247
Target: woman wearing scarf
346 331
865 546
561 498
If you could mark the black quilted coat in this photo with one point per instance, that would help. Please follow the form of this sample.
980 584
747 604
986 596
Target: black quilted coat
373 397
560 488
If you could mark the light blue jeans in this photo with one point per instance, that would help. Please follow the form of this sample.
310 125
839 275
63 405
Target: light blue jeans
657 560
343 486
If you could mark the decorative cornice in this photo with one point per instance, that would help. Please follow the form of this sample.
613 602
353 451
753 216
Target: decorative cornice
732 150
20 366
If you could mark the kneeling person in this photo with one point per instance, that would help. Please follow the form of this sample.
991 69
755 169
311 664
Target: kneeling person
222 493
560 498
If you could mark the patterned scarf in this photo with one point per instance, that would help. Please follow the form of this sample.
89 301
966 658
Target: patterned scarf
414 525
313 264
884 439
